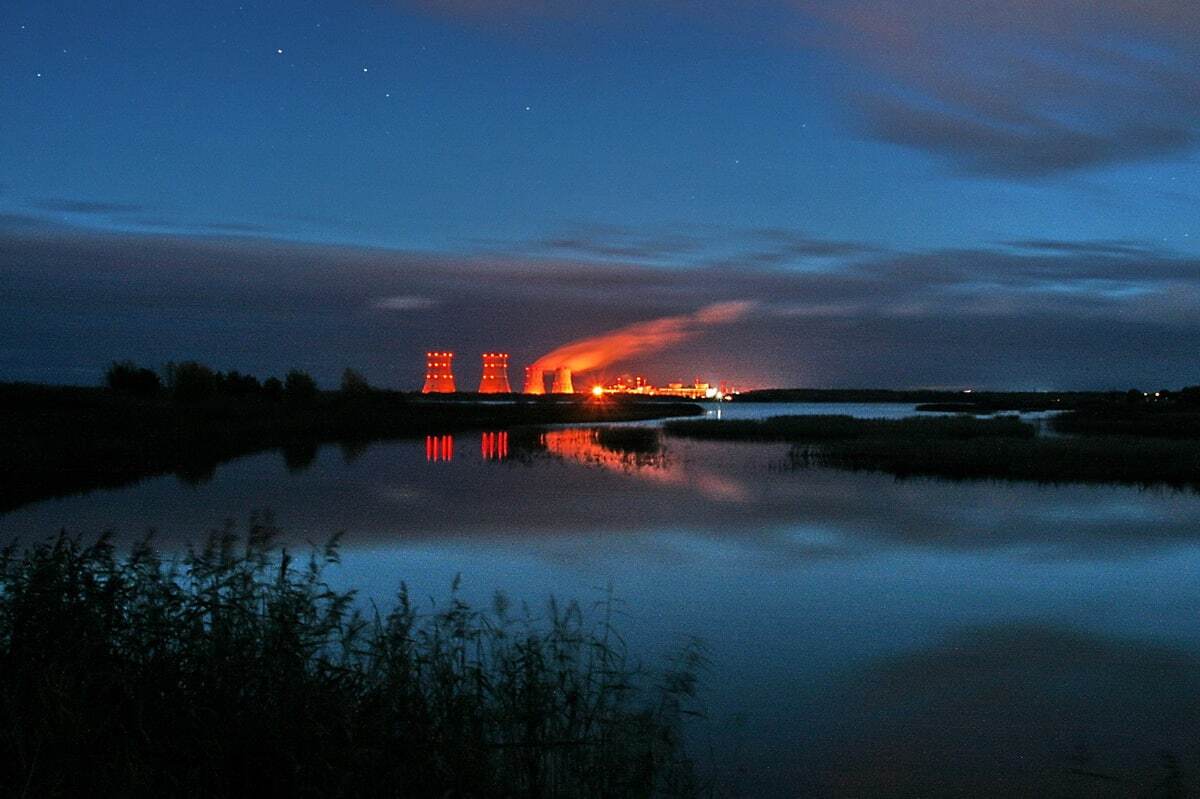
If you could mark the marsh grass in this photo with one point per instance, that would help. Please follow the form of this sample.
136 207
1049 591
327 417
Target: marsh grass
1146 421
630 440
236 670
1109 459
963 447
840 428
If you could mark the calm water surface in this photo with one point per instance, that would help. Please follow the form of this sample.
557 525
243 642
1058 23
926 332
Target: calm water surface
867 636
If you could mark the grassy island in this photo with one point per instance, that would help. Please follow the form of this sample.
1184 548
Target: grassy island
962 447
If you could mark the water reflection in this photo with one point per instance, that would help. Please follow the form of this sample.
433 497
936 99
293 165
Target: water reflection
874 636
1012 709
299 456
494 446
609 449
439 448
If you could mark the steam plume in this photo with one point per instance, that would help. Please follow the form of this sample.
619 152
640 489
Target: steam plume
639 338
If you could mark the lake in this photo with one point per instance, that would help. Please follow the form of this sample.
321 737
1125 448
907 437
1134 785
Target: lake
866 636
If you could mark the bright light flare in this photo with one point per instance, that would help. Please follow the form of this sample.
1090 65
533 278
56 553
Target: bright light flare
597 391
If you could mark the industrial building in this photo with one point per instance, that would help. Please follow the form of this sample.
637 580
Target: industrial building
495 374
439 373
439 379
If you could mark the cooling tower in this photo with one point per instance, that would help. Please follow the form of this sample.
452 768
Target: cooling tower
495 374
439 373
562 381
535 380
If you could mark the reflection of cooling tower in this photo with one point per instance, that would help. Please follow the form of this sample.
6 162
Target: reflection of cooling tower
535 380
562 381
439 373
495 374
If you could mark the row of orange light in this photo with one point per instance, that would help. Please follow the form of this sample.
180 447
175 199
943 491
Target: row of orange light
492 446
439 448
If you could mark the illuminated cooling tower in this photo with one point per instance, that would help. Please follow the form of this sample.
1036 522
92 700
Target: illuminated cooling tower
439 373
495 374
535 380
562 382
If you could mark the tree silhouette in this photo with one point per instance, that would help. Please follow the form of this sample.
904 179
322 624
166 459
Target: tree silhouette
299 386
190 381
126 377
354 383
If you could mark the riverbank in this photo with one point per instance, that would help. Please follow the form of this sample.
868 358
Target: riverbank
62 440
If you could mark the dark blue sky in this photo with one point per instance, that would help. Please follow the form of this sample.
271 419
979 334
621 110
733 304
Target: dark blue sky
922 192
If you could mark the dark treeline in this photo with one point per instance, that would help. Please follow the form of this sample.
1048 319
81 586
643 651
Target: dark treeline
238 671
1162 414
60 440
986 401
191 381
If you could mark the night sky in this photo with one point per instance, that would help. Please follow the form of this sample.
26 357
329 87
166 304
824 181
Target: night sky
947 193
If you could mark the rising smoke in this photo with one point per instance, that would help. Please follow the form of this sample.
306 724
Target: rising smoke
640 338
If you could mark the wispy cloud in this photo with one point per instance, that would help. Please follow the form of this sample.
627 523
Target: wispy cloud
1027 88
403 302
1050 313
71 206
235 227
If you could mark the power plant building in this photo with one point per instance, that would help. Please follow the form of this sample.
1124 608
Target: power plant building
439 373
535 380
495 374
562 382
439 379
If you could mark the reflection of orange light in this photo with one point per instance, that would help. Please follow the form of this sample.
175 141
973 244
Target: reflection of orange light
494 446
597 391
439 448
583 445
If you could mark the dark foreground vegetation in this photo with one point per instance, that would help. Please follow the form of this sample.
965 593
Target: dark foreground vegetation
964 447
60 440
237 671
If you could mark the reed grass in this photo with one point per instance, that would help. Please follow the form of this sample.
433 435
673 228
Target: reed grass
963 447
236 670
1110 459
630 440
840 428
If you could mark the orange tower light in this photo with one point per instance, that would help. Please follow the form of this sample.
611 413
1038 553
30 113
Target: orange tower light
535 380
439 373
495 374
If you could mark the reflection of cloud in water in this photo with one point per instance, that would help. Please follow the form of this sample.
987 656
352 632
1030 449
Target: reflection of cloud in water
402 494
1010 710
808 585
716 489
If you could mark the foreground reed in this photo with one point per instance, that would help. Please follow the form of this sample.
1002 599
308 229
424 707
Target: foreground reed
236 671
